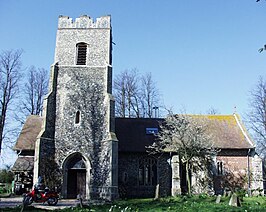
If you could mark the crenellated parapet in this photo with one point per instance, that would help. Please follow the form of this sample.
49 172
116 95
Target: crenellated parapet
84 22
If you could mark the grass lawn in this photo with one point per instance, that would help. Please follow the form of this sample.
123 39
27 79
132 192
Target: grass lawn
182 203
5 189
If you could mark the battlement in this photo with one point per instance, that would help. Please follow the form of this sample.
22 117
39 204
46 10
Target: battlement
84 22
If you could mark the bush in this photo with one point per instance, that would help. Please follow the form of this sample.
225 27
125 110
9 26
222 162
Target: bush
6 176
5 188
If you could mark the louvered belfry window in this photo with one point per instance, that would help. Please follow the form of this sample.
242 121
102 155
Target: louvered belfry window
77 119
81 53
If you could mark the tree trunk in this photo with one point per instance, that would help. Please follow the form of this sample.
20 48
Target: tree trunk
2 122
188 179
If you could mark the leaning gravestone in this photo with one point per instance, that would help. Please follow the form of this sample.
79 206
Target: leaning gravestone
234 200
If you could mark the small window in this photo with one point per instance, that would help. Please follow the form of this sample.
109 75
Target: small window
220 168
77 118
151 131
124 177
147 172
81 53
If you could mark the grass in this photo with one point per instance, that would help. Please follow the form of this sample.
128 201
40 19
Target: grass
181 203
5 190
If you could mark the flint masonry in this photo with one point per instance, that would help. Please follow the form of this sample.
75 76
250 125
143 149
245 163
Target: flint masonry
77 144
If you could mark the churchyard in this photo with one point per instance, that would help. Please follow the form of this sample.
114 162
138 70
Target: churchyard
180 203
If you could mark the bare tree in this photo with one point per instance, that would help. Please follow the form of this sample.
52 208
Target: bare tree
149 94
132 93
126 92
120 95
35 89
10 74
262 49
257 114
135 95
213 111
187 137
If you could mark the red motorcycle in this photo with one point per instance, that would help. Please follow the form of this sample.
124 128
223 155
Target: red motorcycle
51 197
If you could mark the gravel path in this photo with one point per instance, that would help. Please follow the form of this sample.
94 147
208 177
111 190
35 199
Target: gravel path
11 202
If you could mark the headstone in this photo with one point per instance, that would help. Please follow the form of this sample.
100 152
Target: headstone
79 198
218 199
157 192
234 200
255 193
224 194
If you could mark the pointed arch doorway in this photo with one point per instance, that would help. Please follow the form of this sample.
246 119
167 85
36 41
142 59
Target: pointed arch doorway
75 176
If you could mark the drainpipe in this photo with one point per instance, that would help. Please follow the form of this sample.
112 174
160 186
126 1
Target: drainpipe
170 162
249 190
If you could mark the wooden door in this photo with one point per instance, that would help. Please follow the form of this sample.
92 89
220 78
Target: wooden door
72 184
76 183
81 182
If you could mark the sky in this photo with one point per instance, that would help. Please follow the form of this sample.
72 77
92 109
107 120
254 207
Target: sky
202 54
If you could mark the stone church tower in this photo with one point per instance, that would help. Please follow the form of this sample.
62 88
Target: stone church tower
77 147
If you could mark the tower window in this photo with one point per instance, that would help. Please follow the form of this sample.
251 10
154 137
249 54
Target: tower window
77 118
81 53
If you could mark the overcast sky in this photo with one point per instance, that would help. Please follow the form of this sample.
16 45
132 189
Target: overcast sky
202 54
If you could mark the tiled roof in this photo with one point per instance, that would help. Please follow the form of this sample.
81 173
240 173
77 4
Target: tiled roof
23 163
227 132
29 133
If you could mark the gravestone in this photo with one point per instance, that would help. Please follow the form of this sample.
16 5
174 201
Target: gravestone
218 199
234 200
157 190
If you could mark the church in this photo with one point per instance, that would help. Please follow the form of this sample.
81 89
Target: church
80 146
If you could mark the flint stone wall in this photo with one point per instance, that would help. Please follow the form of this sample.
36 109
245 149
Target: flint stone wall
129 164
98 40
81 89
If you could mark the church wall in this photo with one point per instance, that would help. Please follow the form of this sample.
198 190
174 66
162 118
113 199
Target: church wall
128 167
81 107
257 173
82 89
235 171
44 146
234 163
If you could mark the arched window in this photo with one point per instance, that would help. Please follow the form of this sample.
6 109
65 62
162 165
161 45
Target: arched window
77 118
81 53
147 171
124 177
220 168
